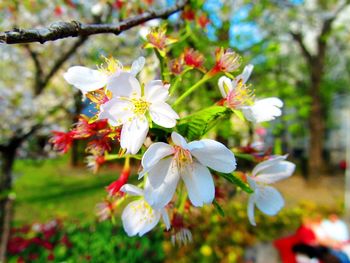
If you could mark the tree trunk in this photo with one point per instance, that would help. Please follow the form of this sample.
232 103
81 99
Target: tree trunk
316 123
8 155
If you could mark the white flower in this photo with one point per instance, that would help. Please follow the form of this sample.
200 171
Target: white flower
138 216
129 107
166 164
267 199
88 80
263 110
239 96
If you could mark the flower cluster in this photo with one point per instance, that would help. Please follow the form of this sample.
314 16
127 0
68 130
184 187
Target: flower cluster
175 174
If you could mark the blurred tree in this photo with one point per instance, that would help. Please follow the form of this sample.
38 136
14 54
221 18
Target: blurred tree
317 30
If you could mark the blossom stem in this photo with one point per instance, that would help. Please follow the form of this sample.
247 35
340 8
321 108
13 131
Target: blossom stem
177 81
162 65
205 78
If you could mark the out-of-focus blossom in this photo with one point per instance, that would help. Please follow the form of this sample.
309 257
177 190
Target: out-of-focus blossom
94 162
188 14
166 164
158 39
84 129
266 198
129 107
88 80
138 216
226 61
182 237
105 210
203 20
62 141
176 66
193 58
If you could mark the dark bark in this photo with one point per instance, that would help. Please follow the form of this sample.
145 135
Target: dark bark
316 121
8 155
60 30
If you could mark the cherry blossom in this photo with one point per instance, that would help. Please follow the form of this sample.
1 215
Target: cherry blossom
131 105
239 96
166 164
138 216
266 198
87 80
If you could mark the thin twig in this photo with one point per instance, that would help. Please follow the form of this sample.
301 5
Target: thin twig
61 30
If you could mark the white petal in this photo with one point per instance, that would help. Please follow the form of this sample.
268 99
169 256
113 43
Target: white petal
166 219
155 91
245 74
137 66
179 140
250 209
85 79
199 184
117 111
268 200
131 189
263 110
274 173
134 134
124 84
138 218
225 86
161 183
270 162
215 155
163 115
154 154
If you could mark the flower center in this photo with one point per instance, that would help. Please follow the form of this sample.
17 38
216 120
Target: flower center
146 211
241 95
140 106
183 157
112 66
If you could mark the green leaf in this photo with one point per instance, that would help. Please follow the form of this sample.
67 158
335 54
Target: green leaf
234 179
194 126
218 208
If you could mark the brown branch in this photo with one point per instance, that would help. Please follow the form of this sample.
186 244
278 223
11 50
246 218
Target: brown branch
327 28
61 30
60 61
38 68
299 39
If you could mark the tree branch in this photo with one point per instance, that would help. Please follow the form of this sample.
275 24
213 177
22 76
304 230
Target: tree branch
38 68
299 39
61 30
327 27
60 61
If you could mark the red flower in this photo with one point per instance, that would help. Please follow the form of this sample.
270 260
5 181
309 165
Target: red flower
193 58
203 20
188 14
62 141
118 4
114 187
58 10
84 129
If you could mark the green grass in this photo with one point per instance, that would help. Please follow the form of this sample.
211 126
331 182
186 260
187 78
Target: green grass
52 188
